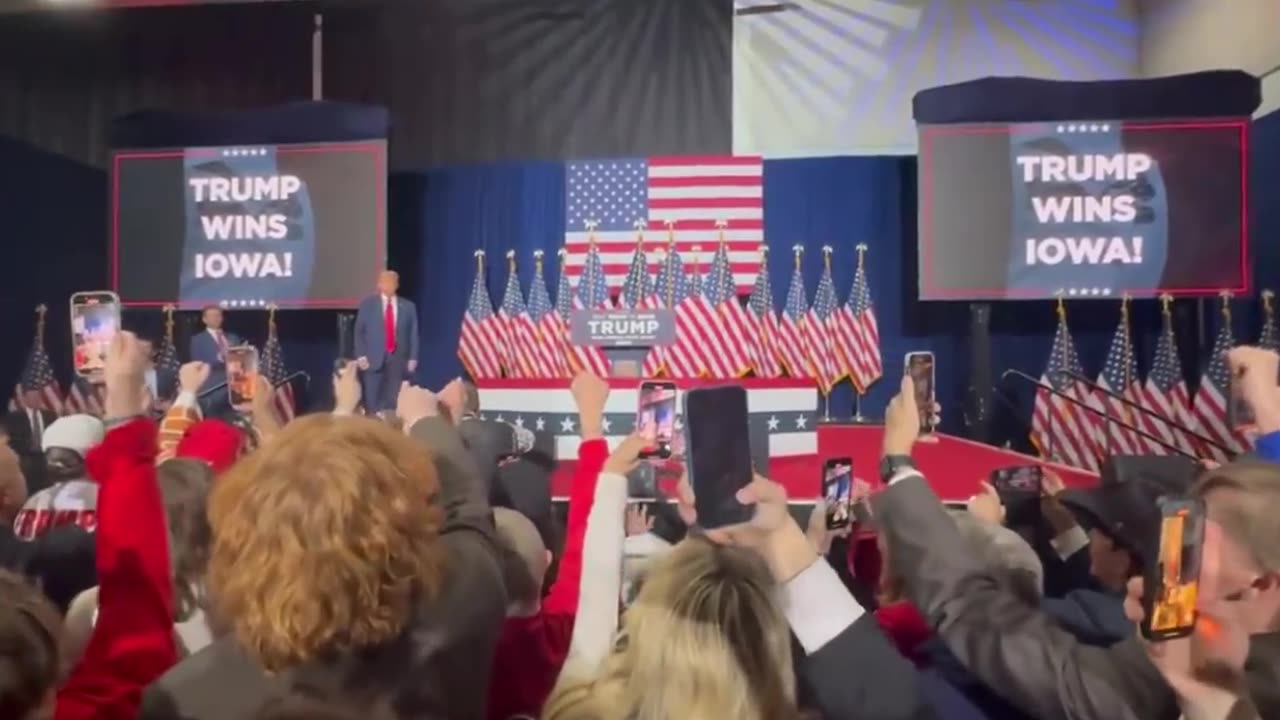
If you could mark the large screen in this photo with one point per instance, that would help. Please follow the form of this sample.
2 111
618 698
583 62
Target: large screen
1096 209
296 226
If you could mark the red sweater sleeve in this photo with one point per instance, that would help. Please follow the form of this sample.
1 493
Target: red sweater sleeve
132 643
563 598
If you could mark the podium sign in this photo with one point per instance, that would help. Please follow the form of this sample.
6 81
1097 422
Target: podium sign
622 328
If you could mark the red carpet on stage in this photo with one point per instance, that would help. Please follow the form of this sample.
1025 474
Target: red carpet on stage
783 414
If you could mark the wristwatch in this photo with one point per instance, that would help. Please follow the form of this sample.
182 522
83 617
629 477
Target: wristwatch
890 465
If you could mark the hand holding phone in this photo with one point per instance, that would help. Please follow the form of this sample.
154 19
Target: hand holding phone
719 453
95 320
1171 584
920 367
242 376
837 491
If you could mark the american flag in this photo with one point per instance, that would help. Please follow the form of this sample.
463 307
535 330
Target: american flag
857 334
694 192
819 327
764 324
273 370
1165 393
732 322
1210 403
548 331
479 344
1061 429
592 294
791 343
684 357
669 290
37 374
168 365
696 329
84 397
520 335
1120 376
637 289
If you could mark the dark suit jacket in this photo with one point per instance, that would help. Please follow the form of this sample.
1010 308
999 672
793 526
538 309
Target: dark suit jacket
859 675
371 336
1013 648
438 668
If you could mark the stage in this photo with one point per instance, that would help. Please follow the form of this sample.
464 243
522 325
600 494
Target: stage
788 435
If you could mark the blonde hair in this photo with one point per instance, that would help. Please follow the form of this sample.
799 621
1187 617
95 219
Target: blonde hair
704 640
1247 505
325 539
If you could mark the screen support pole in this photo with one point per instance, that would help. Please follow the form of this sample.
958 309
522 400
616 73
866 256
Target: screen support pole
977 411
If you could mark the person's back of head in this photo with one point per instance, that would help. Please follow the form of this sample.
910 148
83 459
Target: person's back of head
1242 537
30 638
63 562
524 559
705 639
1005 553
184 487
325 540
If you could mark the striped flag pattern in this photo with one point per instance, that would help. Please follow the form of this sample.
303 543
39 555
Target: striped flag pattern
791 343
480 342
555 324
167 364
1062 430
1120 376
763 324
37 375
519 334
669 289
1209 405
84 397
857 334
592 294
283 400
548 335
705 336
732 323
694 192
1165 393
819 330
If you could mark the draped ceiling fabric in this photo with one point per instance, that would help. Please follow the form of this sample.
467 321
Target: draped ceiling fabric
494 80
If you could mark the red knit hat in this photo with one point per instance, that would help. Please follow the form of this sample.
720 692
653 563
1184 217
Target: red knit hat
213 441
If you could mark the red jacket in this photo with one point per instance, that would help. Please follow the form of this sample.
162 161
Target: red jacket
531 650
132 643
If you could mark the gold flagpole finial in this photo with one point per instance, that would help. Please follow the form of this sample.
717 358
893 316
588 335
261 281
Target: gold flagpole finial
1125 300
641 225
861 249
1226 296
564 257
764 253
591 226
511 261
168 322
1268 303
537 260
1061 308
826 256
271 319
721 225
479 260
1166 304
797 249
671 232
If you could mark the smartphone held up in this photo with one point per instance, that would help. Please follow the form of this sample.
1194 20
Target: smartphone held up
718 453
837 491
242 376
656 417
95 320
1172 583
920 368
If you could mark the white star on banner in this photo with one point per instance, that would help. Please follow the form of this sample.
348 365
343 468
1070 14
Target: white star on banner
540 424
605 424
566 425
800 421
499 418
519 421
773 423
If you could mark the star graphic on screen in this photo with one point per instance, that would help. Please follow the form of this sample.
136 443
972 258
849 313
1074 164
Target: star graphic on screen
540 424
499 419
566 425
605 424
800 421
519 422
773 423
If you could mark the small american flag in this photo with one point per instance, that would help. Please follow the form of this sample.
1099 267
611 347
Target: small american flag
83 397
819 326
764 324
592 294
702 334
637 289
1210 404
669 290
1269 337
480 342
684 358
1063 430
37 375
520 336
857 335
731 323
555 324
283 399
791 343
1120 376
168 365
548 333
695 192
1165 393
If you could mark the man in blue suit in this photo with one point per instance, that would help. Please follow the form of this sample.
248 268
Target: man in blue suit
386 343
210 346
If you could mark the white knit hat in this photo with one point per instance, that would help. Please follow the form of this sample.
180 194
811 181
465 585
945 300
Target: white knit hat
74 432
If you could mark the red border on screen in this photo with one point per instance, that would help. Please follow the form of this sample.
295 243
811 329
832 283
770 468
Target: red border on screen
378 149
931 292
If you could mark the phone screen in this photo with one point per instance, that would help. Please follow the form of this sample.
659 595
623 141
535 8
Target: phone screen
837 488
656 417
242 375
719 453
919 365
95 320
1173 581
1019 479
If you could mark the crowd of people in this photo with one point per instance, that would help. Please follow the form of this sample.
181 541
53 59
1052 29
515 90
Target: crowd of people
403 565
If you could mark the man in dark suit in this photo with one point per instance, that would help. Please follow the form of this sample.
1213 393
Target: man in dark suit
210 346
386 343
25 428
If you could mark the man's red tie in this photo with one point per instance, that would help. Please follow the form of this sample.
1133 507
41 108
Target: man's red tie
389 317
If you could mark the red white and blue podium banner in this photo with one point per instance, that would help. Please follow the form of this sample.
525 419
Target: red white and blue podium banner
785 410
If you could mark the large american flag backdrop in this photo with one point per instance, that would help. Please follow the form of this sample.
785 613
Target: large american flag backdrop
692 192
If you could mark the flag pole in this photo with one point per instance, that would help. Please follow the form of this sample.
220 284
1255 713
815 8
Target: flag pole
826 395
671 254
861 248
